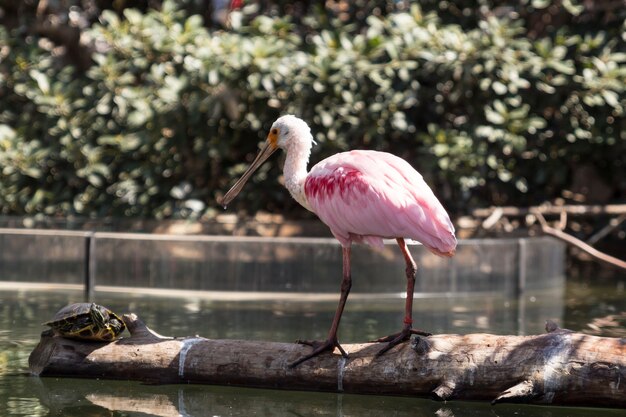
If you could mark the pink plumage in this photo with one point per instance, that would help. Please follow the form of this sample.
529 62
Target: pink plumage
365 196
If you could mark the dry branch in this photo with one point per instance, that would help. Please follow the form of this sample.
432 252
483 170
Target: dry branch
606 230
573 209
559 234
559 367
496 214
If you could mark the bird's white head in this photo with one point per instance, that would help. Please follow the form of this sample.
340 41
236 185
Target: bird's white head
289 133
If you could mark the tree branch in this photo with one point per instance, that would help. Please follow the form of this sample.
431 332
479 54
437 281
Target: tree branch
601 256
572 209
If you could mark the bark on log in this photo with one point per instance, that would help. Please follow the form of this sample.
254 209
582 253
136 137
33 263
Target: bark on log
559 367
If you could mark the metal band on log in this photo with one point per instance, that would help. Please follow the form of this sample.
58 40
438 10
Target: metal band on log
559 367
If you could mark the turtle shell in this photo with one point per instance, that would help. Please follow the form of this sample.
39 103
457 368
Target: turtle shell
87 321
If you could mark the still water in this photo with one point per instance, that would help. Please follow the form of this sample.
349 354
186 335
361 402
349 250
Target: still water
595 308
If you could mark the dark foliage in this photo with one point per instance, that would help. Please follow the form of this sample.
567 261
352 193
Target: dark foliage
150 109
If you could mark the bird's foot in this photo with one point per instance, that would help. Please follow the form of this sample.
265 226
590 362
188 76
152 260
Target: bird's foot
318 347
397 338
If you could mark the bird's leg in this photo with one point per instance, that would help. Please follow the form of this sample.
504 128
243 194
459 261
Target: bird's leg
407 330
331 342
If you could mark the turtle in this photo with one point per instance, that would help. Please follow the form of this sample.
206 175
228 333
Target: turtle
87 321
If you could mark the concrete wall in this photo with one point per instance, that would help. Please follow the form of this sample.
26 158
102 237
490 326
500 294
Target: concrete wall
220 263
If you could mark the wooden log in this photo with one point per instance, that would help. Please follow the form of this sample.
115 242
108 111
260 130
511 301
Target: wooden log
559 367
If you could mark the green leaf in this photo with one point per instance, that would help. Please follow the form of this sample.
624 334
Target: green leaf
42 81
565 67
494 117
611 98
499 88
572 7
540 4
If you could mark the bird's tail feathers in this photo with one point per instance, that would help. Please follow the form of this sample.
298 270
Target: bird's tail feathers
444 244
448 254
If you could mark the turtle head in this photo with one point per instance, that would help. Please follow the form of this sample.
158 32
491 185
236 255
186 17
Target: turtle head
116 325
99 315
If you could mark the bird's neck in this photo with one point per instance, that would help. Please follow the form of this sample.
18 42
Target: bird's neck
295 172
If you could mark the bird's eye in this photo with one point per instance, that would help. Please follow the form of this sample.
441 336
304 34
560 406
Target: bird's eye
274 131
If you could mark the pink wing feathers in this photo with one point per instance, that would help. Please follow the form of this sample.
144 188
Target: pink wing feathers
368 195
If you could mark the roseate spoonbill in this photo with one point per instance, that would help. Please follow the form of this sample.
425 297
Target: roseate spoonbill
362 196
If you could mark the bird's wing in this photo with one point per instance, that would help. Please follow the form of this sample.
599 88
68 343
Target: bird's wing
368 195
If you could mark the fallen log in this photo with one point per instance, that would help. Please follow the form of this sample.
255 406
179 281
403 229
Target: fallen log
559 367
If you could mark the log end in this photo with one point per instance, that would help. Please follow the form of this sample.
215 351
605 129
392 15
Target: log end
54 347
40 356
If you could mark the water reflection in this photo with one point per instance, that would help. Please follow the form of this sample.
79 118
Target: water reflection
70 397
364 319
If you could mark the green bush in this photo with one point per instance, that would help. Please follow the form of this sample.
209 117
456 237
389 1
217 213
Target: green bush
170 111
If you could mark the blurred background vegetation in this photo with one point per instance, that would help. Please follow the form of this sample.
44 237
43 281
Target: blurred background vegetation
150 108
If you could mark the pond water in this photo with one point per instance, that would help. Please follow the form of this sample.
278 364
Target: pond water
595 307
